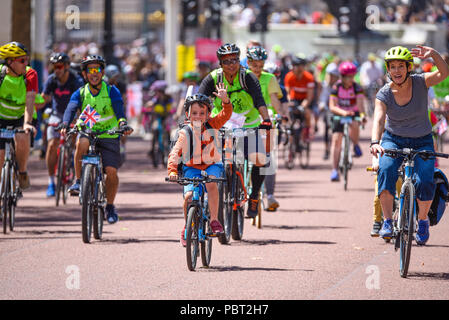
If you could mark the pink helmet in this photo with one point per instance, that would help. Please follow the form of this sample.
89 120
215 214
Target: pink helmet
347 68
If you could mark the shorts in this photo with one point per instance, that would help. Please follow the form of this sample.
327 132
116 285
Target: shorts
52 133
215 170
110 152
337 126
18 123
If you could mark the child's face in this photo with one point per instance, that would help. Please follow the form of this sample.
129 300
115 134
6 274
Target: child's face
198 113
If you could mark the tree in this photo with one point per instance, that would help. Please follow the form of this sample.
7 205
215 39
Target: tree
21 22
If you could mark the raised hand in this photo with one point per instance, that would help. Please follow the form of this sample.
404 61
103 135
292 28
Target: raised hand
422 52
222 92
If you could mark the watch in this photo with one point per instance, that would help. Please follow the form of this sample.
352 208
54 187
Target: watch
374 142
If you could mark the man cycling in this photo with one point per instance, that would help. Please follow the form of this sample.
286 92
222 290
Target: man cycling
58 89
18 89
107 101
248 102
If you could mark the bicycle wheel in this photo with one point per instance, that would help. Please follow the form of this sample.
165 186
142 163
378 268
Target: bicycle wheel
238 213
192 238
60 175
13 199
225 211
406 228
98 216
87 196
206 245
345 161
69 173
5 195
289 158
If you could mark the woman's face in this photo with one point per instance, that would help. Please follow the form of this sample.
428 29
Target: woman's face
398 70
256 66
347 80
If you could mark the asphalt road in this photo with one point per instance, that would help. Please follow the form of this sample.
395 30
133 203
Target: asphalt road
316 246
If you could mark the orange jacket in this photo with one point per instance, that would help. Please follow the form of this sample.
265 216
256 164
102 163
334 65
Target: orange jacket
206 145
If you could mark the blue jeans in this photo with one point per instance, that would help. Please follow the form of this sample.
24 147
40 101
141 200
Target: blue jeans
423 171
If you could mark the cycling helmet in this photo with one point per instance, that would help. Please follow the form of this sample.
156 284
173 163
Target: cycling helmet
199 98
92 59
332 69
194 76
159 85
227 48
111 71
12 50
60 57
271 67
257 53
398 53
347 68
297 61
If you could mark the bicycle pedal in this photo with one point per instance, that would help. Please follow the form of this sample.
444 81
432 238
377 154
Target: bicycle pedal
214 235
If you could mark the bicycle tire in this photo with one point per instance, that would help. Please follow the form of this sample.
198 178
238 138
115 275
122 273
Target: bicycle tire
290 156
12 200
346 161
69 173
192 238
238 213
87 182
59 175
5 196
304 155
98 217
225 212
406 229
206 245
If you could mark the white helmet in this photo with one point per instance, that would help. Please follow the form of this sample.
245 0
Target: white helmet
332 69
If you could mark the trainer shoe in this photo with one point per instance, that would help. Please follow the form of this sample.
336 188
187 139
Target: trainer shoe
422 234
253 208
377 225
111 214
335 176
183 239
387 229
51 190
216 226
357 151
74 189
24 180
272 204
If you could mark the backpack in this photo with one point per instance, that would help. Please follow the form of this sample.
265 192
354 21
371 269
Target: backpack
440 198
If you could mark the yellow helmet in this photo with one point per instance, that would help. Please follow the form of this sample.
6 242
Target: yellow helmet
12 50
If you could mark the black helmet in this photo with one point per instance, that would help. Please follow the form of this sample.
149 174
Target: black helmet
60 57
199 98
296 61
227 48
257 53
92 59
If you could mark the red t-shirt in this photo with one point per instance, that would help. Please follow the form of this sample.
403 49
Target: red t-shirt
31 80
298 87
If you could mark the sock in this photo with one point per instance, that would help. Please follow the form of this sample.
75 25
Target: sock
51 180
109 207
256 180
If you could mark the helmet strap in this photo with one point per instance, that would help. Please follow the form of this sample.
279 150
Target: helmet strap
12 69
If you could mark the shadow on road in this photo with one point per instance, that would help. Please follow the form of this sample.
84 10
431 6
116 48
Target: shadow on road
429 275
276 241
131 241
284 227
236 268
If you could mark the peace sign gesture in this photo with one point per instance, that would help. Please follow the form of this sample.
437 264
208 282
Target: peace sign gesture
422 52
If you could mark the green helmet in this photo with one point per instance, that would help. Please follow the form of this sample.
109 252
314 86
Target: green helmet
398 53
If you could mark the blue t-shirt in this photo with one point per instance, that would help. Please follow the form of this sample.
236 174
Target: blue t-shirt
75 104
61 93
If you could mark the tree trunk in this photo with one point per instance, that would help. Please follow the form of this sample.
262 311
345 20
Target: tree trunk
21 22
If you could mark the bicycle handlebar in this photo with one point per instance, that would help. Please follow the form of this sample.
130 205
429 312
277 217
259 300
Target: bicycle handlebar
410 153
195 180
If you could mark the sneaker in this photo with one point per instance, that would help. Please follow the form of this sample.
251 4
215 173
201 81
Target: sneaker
422 234
253 208
51 190
74 189
111 214
387 229
24 180
335 176
377 225
216 227
357 151
183 238
272 204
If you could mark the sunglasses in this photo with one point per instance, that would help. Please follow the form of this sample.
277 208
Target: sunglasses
21 60
58 66
230 61
94 70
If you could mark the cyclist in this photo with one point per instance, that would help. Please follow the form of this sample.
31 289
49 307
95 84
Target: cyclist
247 100
346 100
107 101
271 92
198 110
300 85
403 103
58 89
18 89
189 78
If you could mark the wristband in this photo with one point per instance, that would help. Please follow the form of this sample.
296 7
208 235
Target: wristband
374 142
29 123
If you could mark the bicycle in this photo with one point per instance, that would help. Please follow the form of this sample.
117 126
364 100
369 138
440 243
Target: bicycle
299 144
345 163
92 194
407 217
10 191
65 170
198 232
160 146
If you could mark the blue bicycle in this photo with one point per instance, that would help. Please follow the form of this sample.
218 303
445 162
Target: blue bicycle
405 220
198 232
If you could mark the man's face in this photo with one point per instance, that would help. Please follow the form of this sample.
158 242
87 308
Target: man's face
230 63
256 66
94 73
60 69
198 114
19 64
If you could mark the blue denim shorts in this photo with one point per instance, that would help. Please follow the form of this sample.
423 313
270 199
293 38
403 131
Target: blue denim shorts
423 171
215 170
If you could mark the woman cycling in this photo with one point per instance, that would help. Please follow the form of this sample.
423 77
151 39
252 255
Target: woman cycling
346 100
403 104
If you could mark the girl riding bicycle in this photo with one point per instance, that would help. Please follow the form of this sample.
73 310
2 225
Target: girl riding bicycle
346 100
403 103
195 145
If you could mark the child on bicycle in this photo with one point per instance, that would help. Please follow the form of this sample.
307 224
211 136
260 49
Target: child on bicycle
346 100
194 146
